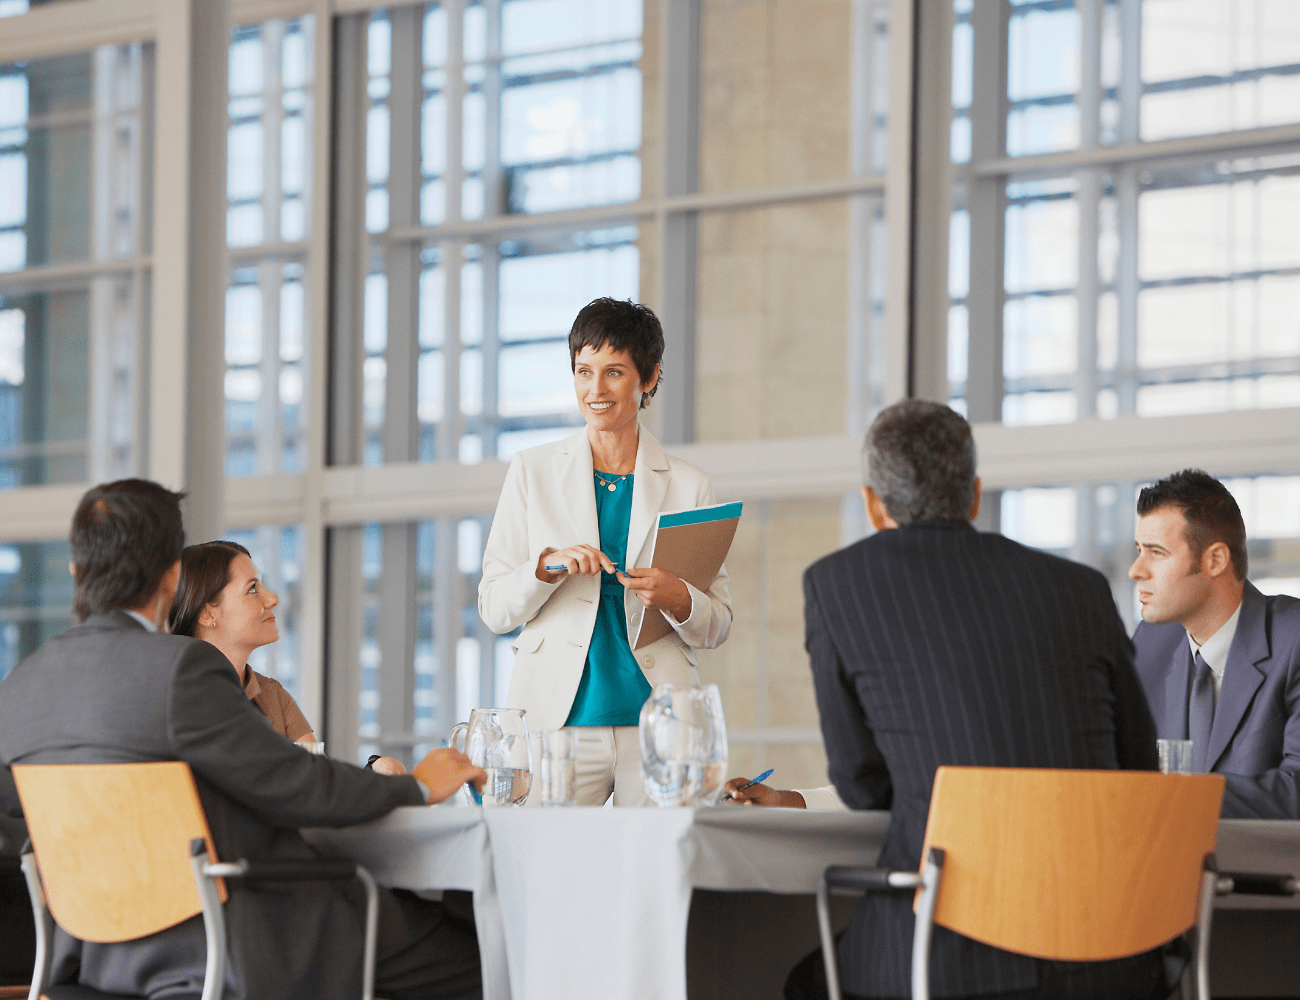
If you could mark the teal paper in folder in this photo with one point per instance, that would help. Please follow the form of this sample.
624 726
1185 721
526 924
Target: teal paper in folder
690 544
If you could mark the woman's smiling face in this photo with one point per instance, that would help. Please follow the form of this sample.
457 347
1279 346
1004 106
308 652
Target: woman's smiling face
245 609
608 387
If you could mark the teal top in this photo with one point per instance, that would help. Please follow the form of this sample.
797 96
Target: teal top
612 689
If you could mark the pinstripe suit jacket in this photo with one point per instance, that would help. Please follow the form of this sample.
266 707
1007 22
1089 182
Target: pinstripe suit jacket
935 644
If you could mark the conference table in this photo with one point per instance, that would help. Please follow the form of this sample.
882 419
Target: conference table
595 903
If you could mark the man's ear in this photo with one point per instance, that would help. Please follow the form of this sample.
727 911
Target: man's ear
979 495
1216 559
72 570
876 511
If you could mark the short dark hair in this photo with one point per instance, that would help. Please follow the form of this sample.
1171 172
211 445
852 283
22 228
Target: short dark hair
205 571
125 536
919 458
625 326
1211 513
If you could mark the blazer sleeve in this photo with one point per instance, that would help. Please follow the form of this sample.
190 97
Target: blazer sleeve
214 728
856 765
710 618
509 593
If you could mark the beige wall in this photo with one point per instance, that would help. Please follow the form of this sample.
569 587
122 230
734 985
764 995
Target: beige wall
772 325
771 322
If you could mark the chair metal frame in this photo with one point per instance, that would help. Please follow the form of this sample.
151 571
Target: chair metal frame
855 880
208 875
925 885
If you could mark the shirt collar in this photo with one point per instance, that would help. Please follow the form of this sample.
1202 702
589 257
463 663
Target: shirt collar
1215 649
251 687
148 625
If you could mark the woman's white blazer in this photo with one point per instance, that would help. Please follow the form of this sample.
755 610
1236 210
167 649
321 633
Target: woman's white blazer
549 501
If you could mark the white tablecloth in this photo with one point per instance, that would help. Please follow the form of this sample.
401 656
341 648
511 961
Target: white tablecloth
582 903
594 903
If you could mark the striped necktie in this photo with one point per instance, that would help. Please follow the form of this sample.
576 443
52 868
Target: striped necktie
1200 714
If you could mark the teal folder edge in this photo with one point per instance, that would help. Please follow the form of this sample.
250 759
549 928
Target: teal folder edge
701 515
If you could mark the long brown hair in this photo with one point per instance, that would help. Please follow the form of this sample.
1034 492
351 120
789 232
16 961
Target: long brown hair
205 571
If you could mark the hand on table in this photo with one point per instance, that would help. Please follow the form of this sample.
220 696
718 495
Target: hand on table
763 795
581 560
443 771
388 765
659 590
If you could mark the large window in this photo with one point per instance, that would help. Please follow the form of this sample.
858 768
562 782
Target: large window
1147 264
35 597
74 266
268 189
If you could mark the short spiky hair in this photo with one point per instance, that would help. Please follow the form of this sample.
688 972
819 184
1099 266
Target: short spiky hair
625 326
125 536
1211 513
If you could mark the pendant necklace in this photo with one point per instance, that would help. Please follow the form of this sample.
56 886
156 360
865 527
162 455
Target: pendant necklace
612 486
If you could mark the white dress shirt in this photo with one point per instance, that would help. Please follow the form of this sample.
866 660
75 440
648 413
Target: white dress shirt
1215 649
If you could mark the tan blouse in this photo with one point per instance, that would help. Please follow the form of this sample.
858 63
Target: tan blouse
273 701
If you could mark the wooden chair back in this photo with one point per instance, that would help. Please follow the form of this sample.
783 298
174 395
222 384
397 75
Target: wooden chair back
1071 865
112 845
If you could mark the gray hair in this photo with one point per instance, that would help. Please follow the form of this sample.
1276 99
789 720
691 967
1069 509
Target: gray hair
919 458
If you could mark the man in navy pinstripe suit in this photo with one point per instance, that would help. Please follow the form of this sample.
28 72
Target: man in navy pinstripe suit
931 644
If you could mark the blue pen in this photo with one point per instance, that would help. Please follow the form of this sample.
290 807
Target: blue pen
759 780
557 569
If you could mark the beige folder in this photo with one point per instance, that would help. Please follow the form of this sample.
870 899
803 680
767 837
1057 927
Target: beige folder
690 544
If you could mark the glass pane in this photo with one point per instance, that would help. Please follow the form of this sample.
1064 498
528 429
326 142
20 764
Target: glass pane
1042 80
35 597
1218 325
571 104
1217 67
268 143
265 386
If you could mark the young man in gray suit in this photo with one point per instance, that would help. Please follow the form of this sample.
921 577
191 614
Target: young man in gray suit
1220 661
114 689
931 644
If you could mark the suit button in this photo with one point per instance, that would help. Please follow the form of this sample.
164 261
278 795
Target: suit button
636 617
647 661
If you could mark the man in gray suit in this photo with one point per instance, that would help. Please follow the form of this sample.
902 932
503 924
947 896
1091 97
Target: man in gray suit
1220 662
113 688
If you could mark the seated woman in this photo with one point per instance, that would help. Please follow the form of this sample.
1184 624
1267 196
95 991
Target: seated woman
222 600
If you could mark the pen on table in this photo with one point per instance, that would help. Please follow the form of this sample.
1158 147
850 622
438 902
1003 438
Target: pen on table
761 778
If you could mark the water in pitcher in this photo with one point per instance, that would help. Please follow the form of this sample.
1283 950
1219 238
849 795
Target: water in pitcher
506 786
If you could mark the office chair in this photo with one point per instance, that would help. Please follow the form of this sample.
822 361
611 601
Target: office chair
122 851
1076 866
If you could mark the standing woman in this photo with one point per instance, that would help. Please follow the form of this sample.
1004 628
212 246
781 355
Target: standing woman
590 503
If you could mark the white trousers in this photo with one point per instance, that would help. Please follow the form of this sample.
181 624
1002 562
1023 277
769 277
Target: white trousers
609 763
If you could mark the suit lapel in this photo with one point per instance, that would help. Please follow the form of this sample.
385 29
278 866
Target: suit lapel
1241 677
1177 686
649 487
574 471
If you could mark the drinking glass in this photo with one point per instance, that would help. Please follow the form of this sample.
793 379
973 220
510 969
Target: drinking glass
559 767
683 745
1175 756
714 773
496 739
